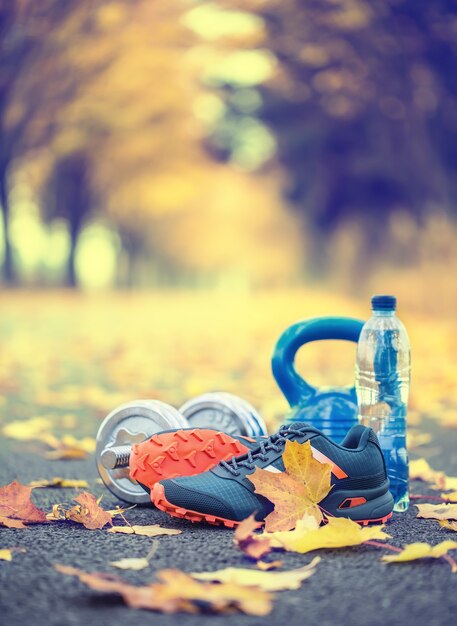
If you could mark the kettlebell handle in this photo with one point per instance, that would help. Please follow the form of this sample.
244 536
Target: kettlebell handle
293 386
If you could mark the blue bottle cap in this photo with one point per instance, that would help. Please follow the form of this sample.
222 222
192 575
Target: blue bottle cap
383 303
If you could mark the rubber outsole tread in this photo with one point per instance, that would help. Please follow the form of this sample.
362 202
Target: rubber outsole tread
181 453
160 501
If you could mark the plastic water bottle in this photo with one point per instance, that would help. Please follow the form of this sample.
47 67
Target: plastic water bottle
382 383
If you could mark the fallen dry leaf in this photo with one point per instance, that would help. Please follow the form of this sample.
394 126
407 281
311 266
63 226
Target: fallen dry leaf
177 591
64 483
269 581
295 492
6 554
414 439
136 563
419 469
16 508
450 525
415 551
34 429
71 448
148 531
339 532
450 497
254 546
437 511
131 563
88 512
266 566
451 483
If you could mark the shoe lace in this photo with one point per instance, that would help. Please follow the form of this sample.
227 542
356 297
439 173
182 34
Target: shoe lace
275 442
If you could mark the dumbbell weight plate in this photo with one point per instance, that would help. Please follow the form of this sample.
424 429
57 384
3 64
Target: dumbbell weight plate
224 411
127 424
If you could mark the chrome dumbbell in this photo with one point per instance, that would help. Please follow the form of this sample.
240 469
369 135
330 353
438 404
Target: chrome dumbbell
129 423
137 421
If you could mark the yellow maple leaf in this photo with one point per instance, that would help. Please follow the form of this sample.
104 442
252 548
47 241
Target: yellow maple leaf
295 492
339 532
300 463
269 581
420 550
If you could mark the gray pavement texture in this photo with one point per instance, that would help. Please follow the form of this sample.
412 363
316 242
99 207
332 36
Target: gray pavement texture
351 586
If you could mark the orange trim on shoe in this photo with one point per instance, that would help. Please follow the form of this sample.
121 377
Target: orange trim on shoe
337 471
160 501
181 453
350 503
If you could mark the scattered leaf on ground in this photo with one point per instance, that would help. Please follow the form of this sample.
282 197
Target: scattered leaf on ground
136 563
131 563
88 512
71 448
450 525
451 483
16 508
450 497
267 566
148 531
415 551
177 591
437 511
419 469
269 581
339 532
39 429
6 554
295 492
63 483
251 544
415 439
34 429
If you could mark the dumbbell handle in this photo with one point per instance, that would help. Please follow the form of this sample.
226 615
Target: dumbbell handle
116 456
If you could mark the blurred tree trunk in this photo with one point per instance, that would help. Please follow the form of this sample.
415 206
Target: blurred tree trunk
8 268
71 279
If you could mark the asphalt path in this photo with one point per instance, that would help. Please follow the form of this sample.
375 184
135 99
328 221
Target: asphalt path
351 586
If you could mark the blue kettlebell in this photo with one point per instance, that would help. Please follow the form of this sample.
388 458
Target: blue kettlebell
331 410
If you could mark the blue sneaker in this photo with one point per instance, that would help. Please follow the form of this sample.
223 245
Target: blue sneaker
225 496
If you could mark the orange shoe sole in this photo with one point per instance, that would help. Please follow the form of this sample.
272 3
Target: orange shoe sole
181 453
161 502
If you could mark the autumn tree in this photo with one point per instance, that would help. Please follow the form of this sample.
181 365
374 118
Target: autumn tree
363 107
37 78
70 195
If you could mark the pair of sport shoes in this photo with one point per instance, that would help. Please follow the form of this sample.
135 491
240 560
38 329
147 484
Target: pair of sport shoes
203 475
